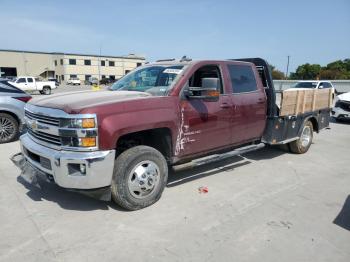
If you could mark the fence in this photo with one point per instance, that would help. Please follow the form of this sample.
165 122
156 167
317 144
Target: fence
340 85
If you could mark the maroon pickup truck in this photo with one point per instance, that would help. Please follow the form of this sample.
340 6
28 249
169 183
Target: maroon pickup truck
117 144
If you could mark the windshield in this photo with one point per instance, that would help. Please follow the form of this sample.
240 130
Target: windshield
306 85
156 80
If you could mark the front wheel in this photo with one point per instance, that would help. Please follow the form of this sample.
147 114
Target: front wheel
139 177
303 143
46 90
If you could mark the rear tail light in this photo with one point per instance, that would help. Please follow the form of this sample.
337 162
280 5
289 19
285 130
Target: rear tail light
24 99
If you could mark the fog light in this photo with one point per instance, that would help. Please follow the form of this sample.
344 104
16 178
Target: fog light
83 168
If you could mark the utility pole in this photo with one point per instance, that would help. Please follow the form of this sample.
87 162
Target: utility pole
287 67
99 67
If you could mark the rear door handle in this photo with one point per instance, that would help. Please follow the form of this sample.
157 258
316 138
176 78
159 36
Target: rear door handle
224 105
261 101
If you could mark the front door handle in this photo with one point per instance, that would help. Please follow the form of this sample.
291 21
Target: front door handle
224 105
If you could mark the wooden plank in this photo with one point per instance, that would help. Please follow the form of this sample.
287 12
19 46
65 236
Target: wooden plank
294 102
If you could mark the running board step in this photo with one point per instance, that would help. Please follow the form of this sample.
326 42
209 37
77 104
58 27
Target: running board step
219 157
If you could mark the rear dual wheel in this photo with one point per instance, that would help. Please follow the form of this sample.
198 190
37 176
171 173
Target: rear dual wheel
302 145
139 177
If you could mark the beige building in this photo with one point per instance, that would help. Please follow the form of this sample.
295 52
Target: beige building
63 66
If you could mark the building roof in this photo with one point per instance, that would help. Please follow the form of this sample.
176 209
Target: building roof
130 56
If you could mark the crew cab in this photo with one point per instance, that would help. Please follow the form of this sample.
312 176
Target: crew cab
118 143
30 84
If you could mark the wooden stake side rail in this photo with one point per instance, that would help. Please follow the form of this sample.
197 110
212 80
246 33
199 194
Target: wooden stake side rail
294 102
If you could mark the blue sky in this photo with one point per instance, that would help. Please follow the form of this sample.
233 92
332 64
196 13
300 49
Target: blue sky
308 31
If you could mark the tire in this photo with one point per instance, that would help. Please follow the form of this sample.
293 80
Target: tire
139 177
9 128
46 90
302 145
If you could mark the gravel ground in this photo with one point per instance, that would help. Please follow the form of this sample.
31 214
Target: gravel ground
268 205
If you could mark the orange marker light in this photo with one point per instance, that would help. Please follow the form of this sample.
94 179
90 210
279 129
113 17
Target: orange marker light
88 123
88 141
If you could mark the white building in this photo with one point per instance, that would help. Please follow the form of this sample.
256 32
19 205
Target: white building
62 66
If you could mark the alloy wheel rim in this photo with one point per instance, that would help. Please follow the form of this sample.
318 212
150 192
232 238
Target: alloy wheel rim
143 179
7 129
306 136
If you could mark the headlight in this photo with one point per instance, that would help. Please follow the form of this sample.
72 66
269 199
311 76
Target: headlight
78 132
78 123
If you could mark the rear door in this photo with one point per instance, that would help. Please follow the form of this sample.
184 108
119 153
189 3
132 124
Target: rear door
248 102
31 83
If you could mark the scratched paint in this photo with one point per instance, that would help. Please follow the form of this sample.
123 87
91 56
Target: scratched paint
184 133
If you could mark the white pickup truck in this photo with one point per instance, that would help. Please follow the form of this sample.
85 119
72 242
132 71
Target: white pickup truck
30 84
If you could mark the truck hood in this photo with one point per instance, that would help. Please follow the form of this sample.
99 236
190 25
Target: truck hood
74 102
345 97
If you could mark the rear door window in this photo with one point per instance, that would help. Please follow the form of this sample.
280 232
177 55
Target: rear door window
242 79
30 80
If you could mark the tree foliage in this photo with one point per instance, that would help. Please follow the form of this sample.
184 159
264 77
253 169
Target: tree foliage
276 74
339 69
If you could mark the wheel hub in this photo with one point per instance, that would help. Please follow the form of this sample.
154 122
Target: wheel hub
6 128
143 179
306 136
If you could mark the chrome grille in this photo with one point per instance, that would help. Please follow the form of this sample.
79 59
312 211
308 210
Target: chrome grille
54 121
48 138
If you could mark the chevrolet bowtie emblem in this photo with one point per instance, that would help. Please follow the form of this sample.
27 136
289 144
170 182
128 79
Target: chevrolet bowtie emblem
34 125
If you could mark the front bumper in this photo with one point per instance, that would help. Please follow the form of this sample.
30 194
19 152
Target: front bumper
337 112
63 167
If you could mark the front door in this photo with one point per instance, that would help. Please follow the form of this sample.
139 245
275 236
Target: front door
21 83
204 125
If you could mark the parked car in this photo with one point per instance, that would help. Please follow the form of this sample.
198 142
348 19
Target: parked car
118 143
92 81
73 81
31 84
341 110
307 84
52 79
106 81
12 101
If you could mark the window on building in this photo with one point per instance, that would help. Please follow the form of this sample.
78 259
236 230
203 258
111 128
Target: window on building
138 64
61 61
87 62
103 63
126 72
62 77
72 61
73 76
112 77
103 76
111 63
55 62
87 77
242 78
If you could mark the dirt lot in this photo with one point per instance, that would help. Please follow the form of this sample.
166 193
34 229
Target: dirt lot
265 206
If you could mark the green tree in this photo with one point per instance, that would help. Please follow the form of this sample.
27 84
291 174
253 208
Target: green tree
276 74
306 72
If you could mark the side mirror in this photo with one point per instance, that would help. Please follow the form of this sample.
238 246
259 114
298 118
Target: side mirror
208 91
